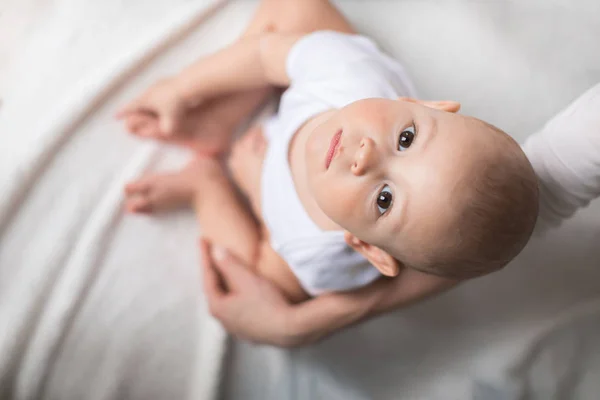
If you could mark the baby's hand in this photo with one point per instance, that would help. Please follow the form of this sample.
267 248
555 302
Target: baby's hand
163 102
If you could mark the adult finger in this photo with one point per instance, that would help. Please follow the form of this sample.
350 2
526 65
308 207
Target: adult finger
213 287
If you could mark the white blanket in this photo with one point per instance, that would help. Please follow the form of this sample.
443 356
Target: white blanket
95 304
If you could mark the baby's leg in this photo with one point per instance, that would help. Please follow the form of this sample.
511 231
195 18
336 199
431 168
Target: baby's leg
297 16
210 128
222 215
286 16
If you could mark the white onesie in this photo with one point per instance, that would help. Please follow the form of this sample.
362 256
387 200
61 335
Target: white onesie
327 70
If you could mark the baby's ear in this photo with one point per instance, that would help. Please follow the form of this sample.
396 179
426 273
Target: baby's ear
385 263
444 105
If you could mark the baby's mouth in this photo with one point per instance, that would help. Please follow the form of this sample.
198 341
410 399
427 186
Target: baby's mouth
333 146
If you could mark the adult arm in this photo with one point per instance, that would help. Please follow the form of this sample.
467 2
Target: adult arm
252 308
324 315
565 155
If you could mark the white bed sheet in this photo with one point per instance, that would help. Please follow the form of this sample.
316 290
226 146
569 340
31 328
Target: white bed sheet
137 331
95 304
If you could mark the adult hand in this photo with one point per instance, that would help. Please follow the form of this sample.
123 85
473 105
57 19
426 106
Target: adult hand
251 308
248 306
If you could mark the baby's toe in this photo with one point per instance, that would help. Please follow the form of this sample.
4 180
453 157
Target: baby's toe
138 204
141 186
142 125
149 130
134 122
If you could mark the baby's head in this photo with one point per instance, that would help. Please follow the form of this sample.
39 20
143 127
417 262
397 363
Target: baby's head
416 185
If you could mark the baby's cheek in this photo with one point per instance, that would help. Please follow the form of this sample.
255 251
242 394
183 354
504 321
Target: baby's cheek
343 204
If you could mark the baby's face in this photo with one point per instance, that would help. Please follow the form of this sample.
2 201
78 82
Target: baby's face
385 170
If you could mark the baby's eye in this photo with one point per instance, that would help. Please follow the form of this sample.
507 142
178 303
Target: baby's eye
384 199
406 138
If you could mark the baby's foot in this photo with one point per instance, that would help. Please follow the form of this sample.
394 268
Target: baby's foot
166 191
157 192
199 130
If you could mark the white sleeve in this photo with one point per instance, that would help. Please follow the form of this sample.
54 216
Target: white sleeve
325 263
565 155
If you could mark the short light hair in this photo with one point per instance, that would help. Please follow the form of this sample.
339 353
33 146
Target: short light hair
496 208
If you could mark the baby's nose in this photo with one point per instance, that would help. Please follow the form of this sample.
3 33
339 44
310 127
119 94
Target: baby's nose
364 157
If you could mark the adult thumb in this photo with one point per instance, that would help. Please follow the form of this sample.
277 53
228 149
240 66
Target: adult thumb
228 265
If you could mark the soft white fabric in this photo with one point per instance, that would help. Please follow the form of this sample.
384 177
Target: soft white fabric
138 331
89 309
327 70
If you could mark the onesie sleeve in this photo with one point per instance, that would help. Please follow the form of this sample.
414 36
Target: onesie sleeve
565 155
327 264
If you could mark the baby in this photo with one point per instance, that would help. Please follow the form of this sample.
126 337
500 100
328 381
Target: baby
352 179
